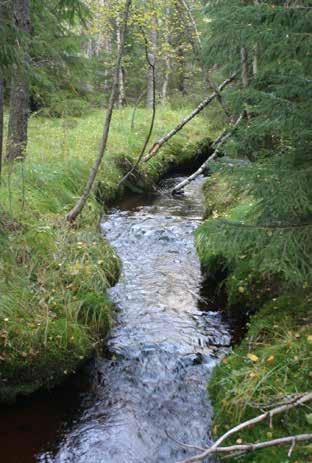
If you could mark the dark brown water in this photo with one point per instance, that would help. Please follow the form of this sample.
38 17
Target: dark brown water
153 382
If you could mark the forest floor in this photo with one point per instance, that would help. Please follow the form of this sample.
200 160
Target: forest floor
274 359
54 310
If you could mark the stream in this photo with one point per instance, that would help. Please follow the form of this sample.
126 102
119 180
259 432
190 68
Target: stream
149 390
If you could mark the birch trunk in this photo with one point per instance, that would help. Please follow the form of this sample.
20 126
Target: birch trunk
152 59
156 147
121 85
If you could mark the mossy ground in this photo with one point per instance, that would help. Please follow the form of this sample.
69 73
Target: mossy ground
53 307
274 359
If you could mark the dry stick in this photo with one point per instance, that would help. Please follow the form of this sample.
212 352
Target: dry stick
151 63
156 147
215 448
220 141
73 214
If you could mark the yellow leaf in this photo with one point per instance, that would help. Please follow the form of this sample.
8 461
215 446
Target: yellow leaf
309 338
270 359
253 358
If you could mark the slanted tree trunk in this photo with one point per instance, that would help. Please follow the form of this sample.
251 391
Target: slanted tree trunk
152 59
73 214
19 93
158 144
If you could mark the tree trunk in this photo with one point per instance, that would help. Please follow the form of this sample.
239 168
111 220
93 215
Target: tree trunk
165 85
1 122
255 61
156 146
121 85
152 59
19 93
244 62
73 214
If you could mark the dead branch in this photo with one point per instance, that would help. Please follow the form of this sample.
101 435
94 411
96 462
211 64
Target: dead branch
219 142
241 449
156 147
151 62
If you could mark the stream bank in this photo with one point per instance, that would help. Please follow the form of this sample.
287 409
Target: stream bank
54 311
151 382
274 359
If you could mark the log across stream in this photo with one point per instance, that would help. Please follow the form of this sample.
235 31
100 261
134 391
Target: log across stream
150 387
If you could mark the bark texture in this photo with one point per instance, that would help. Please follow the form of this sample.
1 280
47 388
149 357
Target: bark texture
19 93
152 59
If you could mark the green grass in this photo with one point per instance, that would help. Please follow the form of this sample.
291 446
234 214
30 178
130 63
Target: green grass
279 335
53 278
280 341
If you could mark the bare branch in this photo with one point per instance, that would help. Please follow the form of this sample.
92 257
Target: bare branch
156 147
241 449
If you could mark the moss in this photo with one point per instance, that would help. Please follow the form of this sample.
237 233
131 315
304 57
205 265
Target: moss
54 310
279 337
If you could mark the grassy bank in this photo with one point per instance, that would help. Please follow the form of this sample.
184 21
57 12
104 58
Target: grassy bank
53 279
274 359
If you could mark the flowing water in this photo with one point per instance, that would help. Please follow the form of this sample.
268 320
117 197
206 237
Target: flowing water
150 390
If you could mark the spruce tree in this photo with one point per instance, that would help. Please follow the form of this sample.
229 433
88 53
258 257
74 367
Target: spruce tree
275 230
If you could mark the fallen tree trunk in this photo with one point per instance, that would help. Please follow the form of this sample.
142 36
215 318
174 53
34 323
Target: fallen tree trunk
156 147
219 142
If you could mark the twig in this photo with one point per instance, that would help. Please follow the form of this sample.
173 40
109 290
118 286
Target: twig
215 448
156 147
183 444
220 141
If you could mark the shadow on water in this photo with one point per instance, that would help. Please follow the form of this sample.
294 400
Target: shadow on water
169 335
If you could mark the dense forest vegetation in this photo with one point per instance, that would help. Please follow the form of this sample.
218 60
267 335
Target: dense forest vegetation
230 80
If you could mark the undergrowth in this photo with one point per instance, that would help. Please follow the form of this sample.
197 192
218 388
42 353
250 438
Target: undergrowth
53 306
274 359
